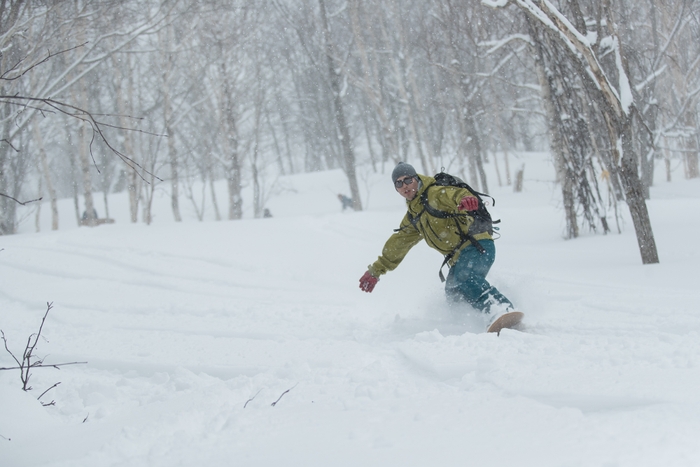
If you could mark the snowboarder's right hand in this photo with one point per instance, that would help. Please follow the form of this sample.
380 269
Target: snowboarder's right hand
468 203
368 281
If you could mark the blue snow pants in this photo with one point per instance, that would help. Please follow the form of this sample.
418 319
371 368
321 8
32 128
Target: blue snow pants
467 282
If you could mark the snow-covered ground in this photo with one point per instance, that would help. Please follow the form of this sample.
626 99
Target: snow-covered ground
193 330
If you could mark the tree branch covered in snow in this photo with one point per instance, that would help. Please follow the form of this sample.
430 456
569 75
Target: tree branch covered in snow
496 45
579 45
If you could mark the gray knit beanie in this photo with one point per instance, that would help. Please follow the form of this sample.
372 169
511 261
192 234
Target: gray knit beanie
402 169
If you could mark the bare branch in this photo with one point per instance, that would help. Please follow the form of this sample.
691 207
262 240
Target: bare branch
26 364
9 144
23 203
87 117
29 350
48 57
251 399
42 394
4 339
51 365
285 392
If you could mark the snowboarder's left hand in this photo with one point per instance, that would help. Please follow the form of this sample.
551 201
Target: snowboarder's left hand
468 203
368 281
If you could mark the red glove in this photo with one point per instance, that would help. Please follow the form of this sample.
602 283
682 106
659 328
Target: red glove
368 281
468 203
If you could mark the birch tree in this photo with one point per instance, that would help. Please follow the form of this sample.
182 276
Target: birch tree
615 102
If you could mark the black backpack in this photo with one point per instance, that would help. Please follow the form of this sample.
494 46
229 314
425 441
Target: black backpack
482 218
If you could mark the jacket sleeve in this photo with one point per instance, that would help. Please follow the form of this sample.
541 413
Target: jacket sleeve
396 248
448 198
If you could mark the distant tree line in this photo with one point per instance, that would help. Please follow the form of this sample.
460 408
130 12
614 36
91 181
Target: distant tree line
170 94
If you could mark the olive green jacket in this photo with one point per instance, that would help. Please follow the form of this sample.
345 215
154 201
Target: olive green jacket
440 234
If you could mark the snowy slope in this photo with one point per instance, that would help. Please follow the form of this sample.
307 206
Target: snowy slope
192 331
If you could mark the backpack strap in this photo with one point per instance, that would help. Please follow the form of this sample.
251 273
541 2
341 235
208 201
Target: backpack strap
413 220
464 236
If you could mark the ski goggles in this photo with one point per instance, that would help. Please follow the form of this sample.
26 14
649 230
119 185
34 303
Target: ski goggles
406 181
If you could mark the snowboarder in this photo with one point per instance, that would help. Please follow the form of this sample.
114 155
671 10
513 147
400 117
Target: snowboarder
469 260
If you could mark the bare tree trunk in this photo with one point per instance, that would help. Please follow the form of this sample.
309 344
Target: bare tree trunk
233 166
149 189
172 157
8 207
635 196
74 174
504 146
89 217
134 181
476 155
44 163
169 130
255 153
370 145
278 149
214 201
498 170
692 168
37 214
342 125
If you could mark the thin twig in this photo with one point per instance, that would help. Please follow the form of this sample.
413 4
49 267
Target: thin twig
285 392
86 117
9 143
44 60
4 339
6 439
50 365
29 350
249 400
42 394
23 203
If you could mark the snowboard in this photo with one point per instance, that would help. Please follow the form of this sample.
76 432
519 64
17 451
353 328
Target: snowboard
508 320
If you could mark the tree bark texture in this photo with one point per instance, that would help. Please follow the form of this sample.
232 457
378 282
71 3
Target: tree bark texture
349 164
616 111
